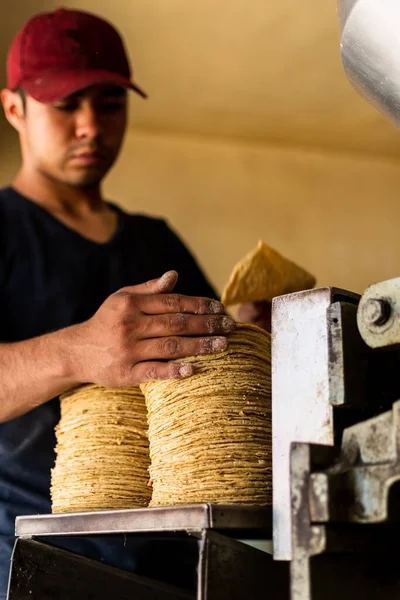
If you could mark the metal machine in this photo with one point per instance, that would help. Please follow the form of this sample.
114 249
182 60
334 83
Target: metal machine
370 47
336 441
336 388
336 484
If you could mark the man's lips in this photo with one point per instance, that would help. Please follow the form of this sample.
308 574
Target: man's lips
89 157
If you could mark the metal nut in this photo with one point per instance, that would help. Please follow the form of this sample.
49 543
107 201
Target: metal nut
376 312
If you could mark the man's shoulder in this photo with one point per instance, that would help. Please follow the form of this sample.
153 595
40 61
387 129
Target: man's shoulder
7 204
6 194
10 200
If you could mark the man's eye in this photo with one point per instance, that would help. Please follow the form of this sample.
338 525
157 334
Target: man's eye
112 106
65 107
104 107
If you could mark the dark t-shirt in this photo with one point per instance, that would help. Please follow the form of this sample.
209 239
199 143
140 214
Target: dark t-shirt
52 277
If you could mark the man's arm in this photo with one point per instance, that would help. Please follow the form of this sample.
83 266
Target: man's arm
34 371
128 341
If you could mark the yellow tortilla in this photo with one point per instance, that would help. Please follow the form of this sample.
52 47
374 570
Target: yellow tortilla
263 274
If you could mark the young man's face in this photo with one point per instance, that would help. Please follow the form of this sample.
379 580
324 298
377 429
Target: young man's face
77 139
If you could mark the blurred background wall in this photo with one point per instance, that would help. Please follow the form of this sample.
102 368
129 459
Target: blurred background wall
251 132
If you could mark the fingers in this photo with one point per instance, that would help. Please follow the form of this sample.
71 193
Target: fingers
177 303
154 297
158 304
166 283
161 285
170 348
154 326
153 371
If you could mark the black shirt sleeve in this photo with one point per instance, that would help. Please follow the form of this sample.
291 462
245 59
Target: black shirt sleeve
192 281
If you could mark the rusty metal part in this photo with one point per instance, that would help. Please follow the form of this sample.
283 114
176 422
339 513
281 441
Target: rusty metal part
308 539
357 488
342 494
348 380
378 314
345 511
334 555
325 378
343 470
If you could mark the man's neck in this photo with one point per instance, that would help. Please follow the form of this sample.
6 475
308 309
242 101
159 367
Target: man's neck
80 209
58 197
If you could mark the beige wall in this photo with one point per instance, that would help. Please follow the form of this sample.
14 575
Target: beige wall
336 215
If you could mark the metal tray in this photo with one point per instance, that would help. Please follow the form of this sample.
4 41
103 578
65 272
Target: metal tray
255 521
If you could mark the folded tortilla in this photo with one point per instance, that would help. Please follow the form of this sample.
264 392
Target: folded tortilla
263 274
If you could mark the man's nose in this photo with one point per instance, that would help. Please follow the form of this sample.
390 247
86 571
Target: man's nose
88 123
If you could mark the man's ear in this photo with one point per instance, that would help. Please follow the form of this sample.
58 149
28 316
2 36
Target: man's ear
13 108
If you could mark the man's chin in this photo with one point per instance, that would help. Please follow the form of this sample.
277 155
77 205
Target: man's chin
87 183
88 179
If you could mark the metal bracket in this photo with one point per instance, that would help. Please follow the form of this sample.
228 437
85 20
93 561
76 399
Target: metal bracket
305 387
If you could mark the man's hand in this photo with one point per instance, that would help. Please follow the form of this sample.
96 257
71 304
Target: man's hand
139 328
128 341
256 313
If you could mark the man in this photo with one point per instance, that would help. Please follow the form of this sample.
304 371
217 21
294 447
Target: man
85 288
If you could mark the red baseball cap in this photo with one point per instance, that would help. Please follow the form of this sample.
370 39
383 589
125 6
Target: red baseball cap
59 53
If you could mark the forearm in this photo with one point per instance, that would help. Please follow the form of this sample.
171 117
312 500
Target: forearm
34 371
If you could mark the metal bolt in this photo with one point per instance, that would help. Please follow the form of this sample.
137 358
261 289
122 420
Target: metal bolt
376 312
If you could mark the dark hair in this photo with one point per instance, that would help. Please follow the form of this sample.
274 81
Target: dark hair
22 95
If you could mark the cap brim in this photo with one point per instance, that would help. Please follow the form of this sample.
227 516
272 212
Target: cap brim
52 87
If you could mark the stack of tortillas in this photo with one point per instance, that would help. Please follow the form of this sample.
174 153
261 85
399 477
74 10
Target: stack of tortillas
263 274
102 451
210 434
